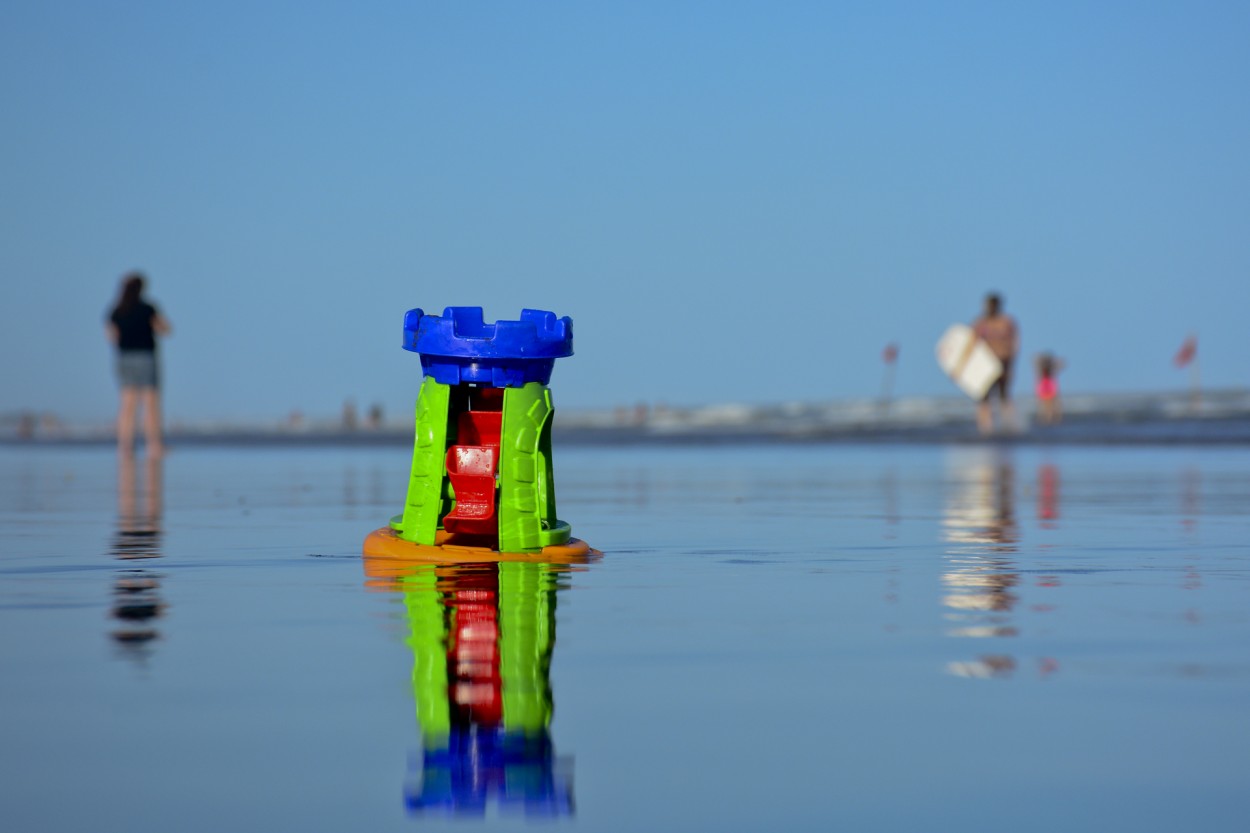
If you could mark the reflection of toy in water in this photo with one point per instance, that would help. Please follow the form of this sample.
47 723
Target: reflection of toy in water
482 481
482 636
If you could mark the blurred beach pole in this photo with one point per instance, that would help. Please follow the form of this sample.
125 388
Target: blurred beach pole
890 357
1188 355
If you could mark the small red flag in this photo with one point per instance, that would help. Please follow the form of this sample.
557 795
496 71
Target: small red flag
1188 351
890 354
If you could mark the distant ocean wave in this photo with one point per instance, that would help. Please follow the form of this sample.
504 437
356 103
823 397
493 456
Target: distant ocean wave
1215 416
1219 416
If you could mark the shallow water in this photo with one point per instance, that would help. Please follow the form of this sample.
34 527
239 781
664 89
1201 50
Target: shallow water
894 638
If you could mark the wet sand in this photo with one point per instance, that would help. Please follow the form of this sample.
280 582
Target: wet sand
777 637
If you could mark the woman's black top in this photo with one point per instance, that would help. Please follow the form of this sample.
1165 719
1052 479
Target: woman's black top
134 326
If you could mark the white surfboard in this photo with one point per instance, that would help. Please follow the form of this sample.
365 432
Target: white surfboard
968 360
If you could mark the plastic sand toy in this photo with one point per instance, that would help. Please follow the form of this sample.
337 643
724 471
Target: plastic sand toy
482 486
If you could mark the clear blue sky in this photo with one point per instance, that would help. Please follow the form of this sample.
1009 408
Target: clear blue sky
734 201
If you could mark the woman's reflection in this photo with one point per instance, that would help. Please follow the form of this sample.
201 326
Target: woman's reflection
137 603
482 637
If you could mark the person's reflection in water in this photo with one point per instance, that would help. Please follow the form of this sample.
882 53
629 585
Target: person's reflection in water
889 490
1191 509
981 574
1048 495
482 637
137 603
1191 498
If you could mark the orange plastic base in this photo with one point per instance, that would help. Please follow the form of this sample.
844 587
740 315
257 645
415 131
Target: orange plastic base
384 551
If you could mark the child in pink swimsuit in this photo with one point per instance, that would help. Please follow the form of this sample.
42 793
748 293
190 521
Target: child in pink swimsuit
1048 409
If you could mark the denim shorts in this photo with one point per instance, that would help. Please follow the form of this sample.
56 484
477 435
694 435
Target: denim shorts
137 369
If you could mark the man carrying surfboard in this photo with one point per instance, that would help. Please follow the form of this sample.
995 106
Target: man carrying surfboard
1001 334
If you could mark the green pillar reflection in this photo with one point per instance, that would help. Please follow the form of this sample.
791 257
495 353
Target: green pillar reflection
527 625
428 639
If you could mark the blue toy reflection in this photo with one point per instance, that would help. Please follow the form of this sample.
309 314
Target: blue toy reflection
482 636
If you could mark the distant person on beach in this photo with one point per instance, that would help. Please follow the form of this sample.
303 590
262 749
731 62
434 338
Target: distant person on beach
134 326
1049 410
999 331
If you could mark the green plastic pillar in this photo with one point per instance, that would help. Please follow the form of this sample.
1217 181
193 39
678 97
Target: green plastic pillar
427 484
527 495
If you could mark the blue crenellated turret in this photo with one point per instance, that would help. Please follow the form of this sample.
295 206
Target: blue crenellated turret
459 347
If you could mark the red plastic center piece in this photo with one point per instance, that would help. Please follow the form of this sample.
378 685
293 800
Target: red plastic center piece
472 466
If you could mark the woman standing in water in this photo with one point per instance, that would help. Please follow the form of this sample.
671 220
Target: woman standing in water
133 326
